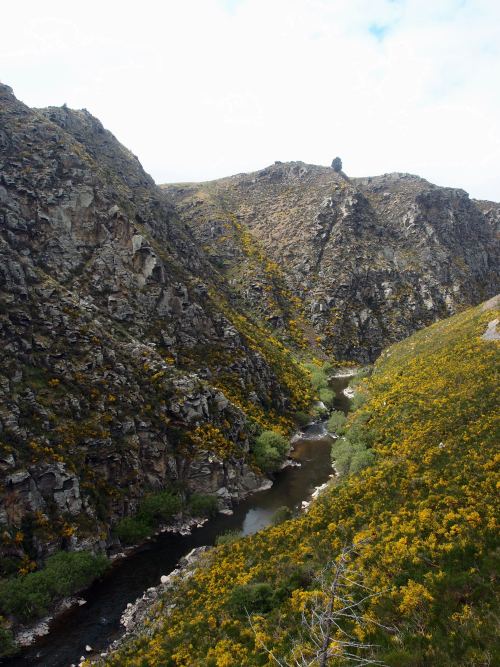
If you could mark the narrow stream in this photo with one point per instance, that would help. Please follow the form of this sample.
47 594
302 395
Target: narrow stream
97 623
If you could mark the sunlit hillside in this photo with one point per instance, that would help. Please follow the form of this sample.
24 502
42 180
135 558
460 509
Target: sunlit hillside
417 582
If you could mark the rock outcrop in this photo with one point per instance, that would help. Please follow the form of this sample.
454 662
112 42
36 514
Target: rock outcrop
370 260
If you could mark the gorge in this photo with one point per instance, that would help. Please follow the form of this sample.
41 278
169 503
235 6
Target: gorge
150 334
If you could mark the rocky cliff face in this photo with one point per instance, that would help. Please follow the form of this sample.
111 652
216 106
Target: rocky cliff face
370 260
125 366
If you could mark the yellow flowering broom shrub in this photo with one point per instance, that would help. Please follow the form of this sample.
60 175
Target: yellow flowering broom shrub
424 515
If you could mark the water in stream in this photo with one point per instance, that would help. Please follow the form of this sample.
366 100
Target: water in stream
97 623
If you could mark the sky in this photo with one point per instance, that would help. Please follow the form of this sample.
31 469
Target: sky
200 89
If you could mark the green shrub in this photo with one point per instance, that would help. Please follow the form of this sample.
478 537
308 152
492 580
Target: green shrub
359 432
351 456
159 507
64 573
319 375
228 537
154 509
302 418
131 530
319 412
282 514
301 576
358 400
327 396
361 459
336 422
318 379
251 599
269 450
341 454
202 505
71 571
400 658
7 644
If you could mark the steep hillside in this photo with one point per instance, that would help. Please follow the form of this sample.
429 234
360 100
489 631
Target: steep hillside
416 584
364 261
149 335
125 366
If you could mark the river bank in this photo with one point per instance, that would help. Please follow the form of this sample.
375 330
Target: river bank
97 622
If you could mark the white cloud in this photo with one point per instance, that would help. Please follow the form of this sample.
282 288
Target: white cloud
205 88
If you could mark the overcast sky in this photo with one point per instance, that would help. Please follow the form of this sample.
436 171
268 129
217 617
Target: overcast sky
199 89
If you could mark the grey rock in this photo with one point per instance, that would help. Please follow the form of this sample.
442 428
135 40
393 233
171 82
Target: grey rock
337 164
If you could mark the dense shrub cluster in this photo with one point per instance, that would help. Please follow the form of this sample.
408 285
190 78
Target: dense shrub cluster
159 508
350 457
154 509
336 422
64 573
131 530
327 396
202 505
319 374
302 418
351 452
270 450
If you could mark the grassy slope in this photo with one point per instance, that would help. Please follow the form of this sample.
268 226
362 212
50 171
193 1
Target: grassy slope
426 509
